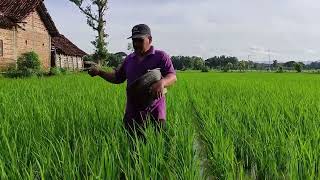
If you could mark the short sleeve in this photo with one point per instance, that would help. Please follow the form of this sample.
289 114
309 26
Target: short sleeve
166 65
120 72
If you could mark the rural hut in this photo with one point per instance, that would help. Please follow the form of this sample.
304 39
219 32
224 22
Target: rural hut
26 25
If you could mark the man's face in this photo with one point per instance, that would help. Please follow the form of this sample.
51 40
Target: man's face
141 45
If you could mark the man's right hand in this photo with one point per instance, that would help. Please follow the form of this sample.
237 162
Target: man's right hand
108 76
94 71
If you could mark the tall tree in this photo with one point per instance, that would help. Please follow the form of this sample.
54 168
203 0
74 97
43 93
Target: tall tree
242 66
96 21
130 47
298 67
275 64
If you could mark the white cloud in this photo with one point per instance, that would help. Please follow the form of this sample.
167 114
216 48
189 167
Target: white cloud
289 28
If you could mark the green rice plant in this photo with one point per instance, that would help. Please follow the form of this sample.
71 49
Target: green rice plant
219 126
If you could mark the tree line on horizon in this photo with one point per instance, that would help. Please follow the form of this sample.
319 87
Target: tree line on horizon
223 62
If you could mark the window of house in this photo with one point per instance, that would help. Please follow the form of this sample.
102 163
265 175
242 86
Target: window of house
1 48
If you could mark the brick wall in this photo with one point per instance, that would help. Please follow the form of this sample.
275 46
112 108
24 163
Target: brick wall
34 37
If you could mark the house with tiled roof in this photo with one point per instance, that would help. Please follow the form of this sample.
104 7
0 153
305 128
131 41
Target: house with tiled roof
26 25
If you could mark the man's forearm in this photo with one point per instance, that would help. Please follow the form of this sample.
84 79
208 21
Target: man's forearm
169 80
108 76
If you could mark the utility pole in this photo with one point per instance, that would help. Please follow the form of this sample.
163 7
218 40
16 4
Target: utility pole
269 60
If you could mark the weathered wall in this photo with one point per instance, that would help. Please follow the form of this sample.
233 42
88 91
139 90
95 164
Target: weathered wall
8 58
36 38
33 37
69 62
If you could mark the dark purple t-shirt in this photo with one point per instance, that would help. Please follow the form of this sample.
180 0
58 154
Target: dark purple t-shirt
131 69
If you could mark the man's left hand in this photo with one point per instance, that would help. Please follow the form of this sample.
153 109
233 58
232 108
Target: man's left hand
157 89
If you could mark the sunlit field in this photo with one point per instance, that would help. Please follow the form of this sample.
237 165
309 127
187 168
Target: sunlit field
220 126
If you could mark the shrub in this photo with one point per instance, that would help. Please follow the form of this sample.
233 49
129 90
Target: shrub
183 68
28 64
20 73
205 69
298 67
280 69
227 67
65 71
29 60
55 71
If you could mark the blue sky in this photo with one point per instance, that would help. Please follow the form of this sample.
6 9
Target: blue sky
288 29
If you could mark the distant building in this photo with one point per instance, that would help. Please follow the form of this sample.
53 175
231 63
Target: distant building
26 25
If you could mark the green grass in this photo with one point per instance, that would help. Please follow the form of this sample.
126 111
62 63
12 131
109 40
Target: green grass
220 125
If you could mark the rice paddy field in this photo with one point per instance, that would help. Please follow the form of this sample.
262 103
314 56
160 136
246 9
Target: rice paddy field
220 126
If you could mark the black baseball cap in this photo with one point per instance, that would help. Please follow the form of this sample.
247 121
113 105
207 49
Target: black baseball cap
140 31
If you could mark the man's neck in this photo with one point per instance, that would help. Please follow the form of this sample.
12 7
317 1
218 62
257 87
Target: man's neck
141 55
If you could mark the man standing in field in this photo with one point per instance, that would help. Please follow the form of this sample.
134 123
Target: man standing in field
145 57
